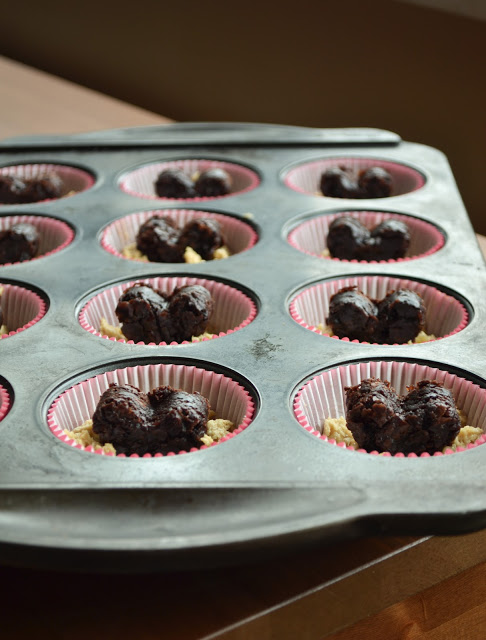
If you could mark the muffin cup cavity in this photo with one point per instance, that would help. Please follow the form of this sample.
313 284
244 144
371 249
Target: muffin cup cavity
305 178
445 315
323 396
239 236
5 402
74 180
140 182
21 308
311 236
227 398
233 310
54 235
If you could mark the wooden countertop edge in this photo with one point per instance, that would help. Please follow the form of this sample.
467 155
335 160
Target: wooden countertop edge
60 106
360 593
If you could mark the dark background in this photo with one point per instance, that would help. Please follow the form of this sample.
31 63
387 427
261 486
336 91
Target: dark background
417 71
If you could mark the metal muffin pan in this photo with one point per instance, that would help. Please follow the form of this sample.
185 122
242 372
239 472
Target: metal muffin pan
273 485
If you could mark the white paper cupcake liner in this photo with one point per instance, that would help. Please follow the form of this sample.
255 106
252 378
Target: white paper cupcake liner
21 308
311 236
323 396
140 182
54 235
306 177
227 398
233 310
445 315
74 180
5 402
238 235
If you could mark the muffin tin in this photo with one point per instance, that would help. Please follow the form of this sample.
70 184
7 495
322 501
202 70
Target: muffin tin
274 484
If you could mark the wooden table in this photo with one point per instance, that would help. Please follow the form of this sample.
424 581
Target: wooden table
381 588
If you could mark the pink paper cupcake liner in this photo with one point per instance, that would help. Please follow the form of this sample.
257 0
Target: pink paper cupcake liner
233 310
21 308
5 402
54 235
311 236
323 396
74 180
306 177
227 398
140 182
445 315
238 235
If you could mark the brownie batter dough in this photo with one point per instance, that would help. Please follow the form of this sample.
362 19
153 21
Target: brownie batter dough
174 183
213 183
401 316
396 319
344 182
161 240
349 239
15 190
203 235
162 421
424 420
158 239
149 315
19 243
353 315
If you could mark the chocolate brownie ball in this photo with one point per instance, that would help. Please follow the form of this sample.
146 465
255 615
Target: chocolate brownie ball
347 238
353 315
11 189
203 235
401 316
144 314
158 239
162 421
337 182
19 243
213 183
432 418
174 183
390 240
44 187
190 308
15 190
372 407
375 182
